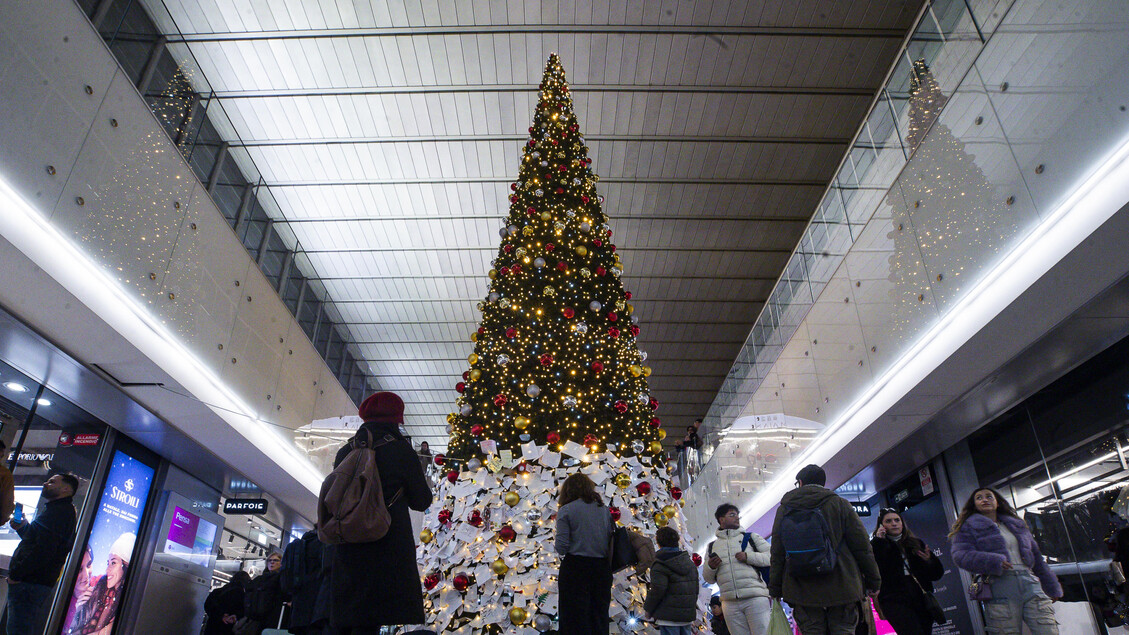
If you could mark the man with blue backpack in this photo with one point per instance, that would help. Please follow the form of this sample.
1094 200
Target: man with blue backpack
738 563
822 562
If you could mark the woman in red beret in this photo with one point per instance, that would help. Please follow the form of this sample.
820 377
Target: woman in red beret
362 600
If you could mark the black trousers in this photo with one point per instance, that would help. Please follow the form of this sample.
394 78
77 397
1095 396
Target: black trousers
908 618
585 595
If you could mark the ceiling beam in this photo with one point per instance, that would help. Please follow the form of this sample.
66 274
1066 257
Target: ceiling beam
698 89
545 29
475 276
509 179
449 300
478 217
767 139
665 249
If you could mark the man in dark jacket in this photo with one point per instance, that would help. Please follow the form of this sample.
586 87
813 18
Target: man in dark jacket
672 595
377 583
827 603
38 560
224 606
302 580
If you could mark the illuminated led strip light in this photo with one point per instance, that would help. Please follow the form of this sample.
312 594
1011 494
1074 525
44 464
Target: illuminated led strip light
39 240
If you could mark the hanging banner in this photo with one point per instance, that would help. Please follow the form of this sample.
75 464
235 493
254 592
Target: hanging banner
100 582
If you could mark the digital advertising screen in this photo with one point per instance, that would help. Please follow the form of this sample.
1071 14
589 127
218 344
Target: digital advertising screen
100 582
190 537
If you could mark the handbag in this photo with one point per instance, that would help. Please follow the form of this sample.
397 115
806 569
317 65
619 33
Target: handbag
981 587
778 622
620 552
931 603
246 626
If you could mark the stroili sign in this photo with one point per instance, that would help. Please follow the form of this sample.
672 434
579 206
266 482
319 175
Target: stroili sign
245 506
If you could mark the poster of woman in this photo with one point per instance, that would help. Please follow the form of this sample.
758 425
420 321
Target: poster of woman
101 579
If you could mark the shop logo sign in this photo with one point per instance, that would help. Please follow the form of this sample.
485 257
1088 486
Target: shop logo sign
245 506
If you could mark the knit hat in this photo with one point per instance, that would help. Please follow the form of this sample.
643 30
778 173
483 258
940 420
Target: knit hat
382 407
123 547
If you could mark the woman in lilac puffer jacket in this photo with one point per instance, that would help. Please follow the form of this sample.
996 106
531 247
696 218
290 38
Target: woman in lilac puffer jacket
989 538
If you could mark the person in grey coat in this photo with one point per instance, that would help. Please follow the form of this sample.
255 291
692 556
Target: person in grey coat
672 595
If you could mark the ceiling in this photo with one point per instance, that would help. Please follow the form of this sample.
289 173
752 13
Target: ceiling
388 134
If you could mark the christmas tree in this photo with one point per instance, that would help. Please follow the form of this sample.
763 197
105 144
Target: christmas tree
556 385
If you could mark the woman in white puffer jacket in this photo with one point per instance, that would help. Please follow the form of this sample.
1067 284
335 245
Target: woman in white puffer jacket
731 564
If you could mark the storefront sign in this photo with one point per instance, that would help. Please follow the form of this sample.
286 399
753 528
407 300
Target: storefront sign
862 509
926 477
245 506
110 545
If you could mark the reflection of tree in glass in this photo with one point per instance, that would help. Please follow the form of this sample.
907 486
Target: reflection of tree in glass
954 216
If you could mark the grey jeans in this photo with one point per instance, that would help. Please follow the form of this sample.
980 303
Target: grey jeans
1018 599
832 620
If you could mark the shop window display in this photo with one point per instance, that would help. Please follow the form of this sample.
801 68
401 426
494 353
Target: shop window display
1061 459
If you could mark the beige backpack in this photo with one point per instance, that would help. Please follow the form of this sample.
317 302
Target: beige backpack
351 506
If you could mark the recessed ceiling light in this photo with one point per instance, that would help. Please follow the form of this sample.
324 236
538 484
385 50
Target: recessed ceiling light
14 387
43 402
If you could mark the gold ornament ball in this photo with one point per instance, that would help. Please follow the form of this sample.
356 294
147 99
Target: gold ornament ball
472 358
682 502
656 447
582 250
512 498
646 371
670 510
518 615
451 418
493 273
622 480
474 337
499 567
546 216
426 536
635 370
662 433
521 423
527 230
475 375
660 519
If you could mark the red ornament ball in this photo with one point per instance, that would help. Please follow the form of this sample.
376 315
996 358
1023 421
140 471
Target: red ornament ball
643 488
453 476
475 518
507 248
591 439
459 387
500 400
461 582
513 186
553 438
597 366
676 493
507 533
655 422
627 294
597 242
445 515
440 459
482 330
466 374
612 316
516 269
546 360
431 581
634 330
697 560
476 430
505 271
530 211
613 331
511 333
584 198
600 271
550 246
614 511
562 266
620 407
568 312
612 247
560 190
563 168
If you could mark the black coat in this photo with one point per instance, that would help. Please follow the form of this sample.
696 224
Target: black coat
44 544
896 585
673 592
378 583
263 599
303 587
226 600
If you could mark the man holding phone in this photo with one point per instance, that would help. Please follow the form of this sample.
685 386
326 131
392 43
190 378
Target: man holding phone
38 560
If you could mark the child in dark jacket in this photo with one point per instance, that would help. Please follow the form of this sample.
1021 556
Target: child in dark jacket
672 595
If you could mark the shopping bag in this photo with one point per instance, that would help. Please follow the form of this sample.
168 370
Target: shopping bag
865 625
778 621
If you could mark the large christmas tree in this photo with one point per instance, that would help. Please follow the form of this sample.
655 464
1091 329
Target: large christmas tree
556 385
